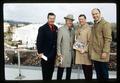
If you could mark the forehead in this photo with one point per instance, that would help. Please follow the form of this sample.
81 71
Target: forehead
51 16
94 11
69 20
81 17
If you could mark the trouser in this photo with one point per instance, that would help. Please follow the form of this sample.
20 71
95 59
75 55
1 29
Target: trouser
60 73
87 69
47 69
101 70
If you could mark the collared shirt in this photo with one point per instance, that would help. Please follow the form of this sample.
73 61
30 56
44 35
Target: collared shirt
51 27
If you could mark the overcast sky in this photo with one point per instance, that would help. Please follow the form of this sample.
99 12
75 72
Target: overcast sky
37 12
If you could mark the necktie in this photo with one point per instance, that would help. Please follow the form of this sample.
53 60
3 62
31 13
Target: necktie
52 28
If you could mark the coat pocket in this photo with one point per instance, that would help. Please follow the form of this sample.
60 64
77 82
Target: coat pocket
97 49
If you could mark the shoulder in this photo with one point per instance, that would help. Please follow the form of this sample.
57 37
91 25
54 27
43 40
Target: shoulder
62 28
106 26
87 26
105 22
43 27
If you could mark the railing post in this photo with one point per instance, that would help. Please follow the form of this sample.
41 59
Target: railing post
19 76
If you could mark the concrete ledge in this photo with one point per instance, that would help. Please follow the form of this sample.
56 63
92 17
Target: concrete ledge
35 73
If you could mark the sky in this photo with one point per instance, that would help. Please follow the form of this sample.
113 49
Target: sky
37 12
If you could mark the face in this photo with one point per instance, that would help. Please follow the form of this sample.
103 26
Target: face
69 22
96 14
51 19
82 20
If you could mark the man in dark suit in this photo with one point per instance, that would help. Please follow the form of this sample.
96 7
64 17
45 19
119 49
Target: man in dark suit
46 45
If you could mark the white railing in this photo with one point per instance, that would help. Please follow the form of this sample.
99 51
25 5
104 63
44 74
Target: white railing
26 50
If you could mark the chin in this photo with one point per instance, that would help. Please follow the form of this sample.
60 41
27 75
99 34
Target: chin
96 19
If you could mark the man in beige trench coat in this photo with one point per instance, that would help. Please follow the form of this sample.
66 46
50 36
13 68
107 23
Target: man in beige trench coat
99 47
64 47
82 34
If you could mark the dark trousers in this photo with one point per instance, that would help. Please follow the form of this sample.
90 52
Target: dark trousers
101 70
47 69
60 73
87 69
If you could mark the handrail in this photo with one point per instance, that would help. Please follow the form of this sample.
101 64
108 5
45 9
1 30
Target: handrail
27 50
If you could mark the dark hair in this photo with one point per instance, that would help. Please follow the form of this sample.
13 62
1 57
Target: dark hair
82 15
50 14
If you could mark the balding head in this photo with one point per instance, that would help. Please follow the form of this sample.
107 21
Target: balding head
96 9
96 14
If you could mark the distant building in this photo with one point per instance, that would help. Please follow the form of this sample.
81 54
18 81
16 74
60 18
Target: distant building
27 34
20 25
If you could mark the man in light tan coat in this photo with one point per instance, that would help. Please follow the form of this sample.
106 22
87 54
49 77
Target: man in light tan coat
82 34
99 47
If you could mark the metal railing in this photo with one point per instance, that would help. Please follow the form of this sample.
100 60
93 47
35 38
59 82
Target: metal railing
26 50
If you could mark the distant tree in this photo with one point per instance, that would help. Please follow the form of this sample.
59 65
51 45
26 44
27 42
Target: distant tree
9 33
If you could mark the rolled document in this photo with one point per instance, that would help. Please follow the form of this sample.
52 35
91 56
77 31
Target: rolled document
44 57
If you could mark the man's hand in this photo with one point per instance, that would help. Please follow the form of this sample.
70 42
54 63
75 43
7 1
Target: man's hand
81 50
60 55
104 55
39 55
60 59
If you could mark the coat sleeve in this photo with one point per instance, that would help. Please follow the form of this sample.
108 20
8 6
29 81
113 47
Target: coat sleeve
40 41
59 40
88 39
107 35
76 34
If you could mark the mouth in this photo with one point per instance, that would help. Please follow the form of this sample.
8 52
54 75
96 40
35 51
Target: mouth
52 21
95 18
